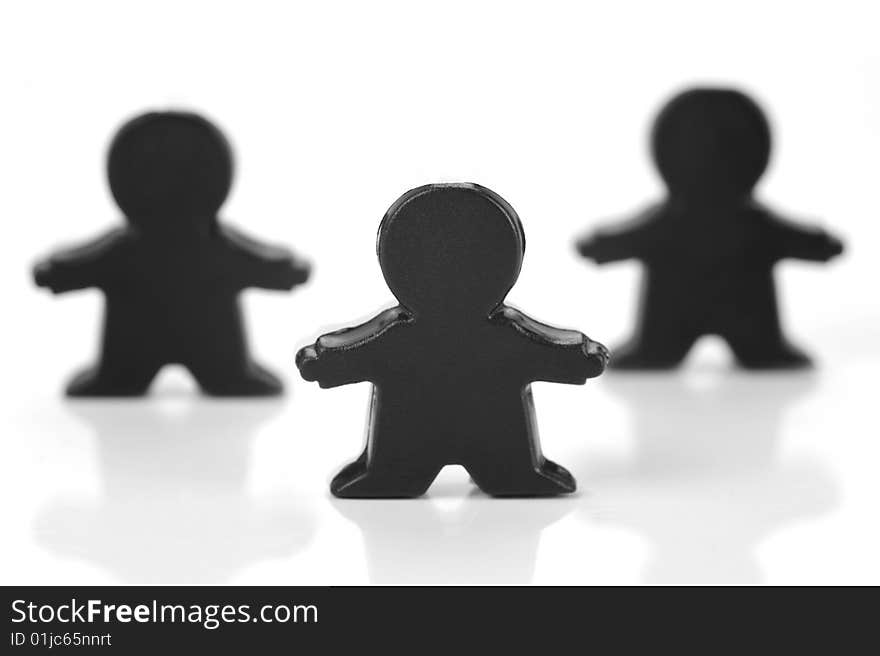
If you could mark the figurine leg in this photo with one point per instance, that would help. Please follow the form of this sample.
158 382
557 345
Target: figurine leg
102 381
252 380
358 481
772 354
663 350
524 479
755 334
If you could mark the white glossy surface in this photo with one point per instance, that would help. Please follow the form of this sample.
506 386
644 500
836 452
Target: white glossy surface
706 475
703 476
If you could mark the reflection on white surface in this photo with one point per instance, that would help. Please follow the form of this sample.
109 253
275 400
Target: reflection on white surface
173 505
452 536
683 477
707 483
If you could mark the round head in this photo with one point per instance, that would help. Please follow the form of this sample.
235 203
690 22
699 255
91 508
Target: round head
711 144
450 248
166 168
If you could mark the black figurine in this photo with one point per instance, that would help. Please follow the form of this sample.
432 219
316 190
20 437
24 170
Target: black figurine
172 276
451 365
709 249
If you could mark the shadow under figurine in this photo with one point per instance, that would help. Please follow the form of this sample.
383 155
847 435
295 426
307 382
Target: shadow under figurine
451 366
172 276
709 249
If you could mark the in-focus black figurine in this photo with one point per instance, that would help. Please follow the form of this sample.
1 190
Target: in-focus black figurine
172 276
709 249
451 366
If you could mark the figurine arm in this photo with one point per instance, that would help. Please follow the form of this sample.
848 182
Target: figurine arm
79 267
351 355
805 242
563 356
265 266
616 243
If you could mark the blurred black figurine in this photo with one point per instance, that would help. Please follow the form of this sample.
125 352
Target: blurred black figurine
452 364
710 247
172 276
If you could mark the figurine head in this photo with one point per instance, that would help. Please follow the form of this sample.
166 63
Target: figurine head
169 168
711 144
450 249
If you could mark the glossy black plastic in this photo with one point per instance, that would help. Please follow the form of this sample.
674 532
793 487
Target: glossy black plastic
451 365
709 248
172 276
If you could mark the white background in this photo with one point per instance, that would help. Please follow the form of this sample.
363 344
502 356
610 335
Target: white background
337 108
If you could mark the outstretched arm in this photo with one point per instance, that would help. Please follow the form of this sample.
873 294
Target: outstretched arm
804 242
620 242
556 355
80 267
351 355
265 266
